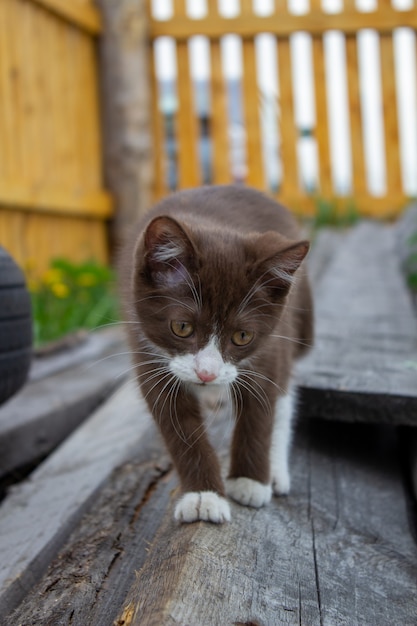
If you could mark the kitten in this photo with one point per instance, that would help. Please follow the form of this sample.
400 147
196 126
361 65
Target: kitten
214 298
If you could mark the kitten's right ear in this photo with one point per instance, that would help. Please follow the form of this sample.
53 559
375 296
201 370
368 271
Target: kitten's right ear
168 252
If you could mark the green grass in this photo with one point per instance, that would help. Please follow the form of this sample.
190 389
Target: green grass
69 297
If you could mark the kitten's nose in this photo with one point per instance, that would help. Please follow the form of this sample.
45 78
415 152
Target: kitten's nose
205 376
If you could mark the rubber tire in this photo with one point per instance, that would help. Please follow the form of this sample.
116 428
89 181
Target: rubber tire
15 327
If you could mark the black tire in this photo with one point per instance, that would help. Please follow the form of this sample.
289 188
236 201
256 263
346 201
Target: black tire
15 327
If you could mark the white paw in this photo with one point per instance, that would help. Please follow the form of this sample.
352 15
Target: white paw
248 492
202 505
281 482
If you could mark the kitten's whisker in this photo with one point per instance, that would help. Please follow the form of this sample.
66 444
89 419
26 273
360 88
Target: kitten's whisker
133 367
292 339
173 401
170 381
262 398
254 373
159 374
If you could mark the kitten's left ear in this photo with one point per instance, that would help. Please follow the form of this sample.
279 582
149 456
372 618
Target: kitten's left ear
277 271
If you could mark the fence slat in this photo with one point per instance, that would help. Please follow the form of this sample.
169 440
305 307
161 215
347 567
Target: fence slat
187 131
186 126
254 160
287 126
356 134
390 116
289 187
219 124
314 22
322 130
219 121
250 91
158 153
5 109
13 93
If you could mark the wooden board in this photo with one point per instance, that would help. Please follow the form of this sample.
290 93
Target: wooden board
338 550
363 365
38 515
62 391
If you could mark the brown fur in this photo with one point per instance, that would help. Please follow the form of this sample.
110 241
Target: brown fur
230 237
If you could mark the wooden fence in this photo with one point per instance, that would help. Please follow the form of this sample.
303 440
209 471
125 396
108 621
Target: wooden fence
282 24
52 202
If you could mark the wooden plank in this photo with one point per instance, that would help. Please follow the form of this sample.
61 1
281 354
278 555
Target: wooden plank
356 132
61 490
314 22
159 140
366 332
81 14
287 125
55 200
219 130
281 564
344 527
322 118
13 94
251 108
187 129
88 149
62 391
390 116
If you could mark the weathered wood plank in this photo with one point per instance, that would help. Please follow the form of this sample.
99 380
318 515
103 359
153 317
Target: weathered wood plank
63 390
38 515
366 334
338 550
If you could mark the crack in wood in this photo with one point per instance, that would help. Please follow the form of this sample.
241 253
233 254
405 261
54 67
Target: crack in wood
162 471
316 571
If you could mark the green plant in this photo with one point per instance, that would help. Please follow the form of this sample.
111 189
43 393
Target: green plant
72 296
328 213
411 262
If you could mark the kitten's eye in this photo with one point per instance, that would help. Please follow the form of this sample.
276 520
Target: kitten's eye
182 329
242 337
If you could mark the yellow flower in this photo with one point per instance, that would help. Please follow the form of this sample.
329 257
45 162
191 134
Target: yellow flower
52 276
60 290
87 280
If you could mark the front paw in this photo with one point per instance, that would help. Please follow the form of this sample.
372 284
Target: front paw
281 482
248 492
207 506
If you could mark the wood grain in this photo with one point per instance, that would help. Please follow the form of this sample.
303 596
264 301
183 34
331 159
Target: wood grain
60 490
361 367
62 391
50 131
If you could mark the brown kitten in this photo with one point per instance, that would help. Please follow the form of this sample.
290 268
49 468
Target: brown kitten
213 297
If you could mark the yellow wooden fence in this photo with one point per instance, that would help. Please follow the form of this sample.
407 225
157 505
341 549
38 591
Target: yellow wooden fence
52 201
282 25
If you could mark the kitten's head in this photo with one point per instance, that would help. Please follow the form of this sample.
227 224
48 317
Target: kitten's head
208 299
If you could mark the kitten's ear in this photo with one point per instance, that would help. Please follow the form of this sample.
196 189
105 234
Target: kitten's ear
169 253
277 271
